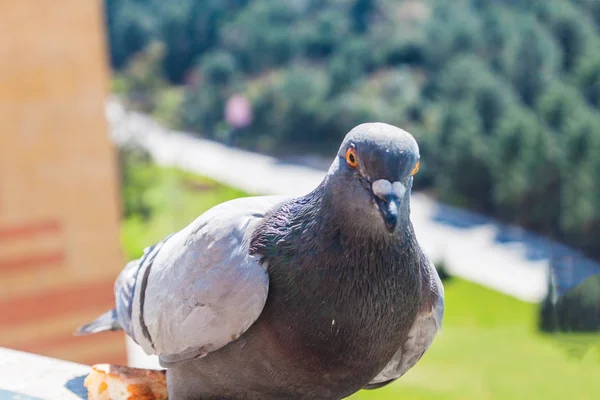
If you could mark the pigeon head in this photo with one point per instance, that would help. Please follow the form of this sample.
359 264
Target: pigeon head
372 175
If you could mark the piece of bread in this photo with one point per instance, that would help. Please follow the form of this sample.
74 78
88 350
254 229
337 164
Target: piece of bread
117 382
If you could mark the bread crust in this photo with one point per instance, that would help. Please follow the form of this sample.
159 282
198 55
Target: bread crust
118 382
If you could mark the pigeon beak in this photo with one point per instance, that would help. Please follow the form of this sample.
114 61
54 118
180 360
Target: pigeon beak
389 210
388 197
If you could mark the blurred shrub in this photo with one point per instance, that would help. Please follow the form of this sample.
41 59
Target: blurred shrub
141 81
578 310
136 177
142 86
168 106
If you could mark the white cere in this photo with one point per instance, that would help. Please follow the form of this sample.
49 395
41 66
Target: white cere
398 189
382 188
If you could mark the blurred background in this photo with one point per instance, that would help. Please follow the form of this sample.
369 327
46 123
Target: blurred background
123 120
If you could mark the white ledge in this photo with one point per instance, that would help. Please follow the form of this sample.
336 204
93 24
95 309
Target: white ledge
25 376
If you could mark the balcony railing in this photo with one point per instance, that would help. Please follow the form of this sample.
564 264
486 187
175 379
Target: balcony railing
26 376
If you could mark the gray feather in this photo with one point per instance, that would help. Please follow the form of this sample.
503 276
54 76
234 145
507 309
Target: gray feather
106 322
427 324
119 318
204 289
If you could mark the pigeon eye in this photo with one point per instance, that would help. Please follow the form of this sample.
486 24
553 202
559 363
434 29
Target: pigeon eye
351 157
416 168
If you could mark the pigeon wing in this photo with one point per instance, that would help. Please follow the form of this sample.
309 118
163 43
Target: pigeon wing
199 289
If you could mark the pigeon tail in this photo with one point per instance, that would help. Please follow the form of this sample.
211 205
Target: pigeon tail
106 322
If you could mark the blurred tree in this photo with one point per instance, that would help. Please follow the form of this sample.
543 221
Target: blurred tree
142 79
500 94
464 175
131 27
352 61
361 13
323 35
498 33
572 29
534 62
456 31
288 110
190 28
217 77
580 214
219 68
469 79
587 78
258 48
557 104
526 172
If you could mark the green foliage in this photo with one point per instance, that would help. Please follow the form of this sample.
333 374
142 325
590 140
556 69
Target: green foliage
136 179
502 95
203 107
467 154
578 310
141 81
288 106
587 78
557 105
131 27
580 218
258 48
168 106
456 32
534 63
526 169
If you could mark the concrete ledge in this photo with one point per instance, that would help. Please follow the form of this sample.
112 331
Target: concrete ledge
25 376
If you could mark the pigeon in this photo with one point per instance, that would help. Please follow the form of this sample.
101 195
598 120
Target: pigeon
274 297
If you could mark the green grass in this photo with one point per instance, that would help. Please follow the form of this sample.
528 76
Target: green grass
488 349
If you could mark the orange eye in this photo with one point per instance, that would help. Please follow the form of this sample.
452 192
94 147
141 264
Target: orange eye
351 157
416 168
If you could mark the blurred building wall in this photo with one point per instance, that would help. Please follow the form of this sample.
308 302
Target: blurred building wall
59 208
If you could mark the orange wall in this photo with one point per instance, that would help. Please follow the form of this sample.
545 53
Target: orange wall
59 213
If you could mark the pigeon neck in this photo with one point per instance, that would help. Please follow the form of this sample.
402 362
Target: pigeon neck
320 254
